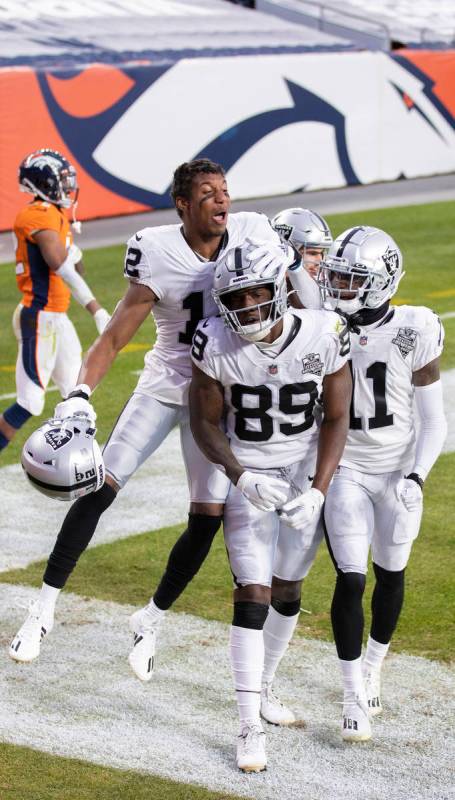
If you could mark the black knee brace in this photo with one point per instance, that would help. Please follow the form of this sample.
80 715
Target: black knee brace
288 608
248 614
186 558
78 528
347 614
386 603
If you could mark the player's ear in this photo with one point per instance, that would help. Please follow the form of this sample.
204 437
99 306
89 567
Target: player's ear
181 203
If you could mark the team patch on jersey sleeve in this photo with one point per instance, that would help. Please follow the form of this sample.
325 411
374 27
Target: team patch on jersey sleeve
405 340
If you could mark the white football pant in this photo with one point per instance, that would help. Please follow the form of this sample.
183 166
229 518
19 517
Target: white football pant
141 427
259 545
362 510
49 347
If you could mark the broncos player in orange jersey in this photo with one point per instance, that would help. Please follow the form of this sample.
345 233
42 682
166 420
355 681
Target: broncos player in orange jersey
48 270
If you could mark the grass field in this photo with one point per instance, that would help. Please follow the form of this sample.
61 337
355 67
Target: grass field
127 571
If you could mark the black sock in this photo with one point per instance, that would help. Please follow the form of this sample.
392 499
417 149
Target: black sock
186 558
76 532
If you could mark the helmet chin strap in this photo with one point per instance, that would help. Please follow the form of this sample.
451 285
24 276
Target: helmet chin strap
365 317
254 335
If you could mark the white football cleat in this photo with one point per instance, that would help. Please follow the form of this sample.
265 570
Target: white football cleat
27 641
355 721
273 710
142 656
251 755
372 681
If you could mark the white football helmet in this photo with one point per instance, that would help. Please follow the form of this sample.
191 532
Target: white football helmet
62 459
305 230
235 271
362 270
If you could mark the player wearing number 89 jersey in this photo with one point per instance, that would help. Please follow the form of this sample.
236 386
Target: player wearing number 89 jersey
376 495
260 369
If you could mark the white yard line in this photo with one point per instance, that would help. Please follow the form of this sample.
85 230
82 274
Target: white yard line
155 497
81 700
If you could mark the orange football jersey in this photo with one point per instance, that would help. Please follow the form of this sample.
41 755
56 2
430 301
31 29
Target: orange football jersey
40 286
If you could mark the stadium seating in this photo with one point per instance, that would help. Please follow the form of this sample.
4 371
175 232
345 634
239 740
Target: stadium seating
378 23
54 34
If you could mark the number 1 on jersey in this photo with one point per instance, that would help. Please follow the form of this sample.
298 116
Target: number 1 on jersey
194 302
382 419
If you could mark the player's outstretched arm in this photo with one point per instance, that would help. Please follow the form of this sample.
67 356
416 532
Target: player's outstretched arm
67 263
337 391
128 316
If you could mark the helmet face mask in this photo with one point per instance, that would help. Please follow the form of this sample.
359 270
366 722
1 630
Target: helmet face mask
47 174
234 273
62 459
361 271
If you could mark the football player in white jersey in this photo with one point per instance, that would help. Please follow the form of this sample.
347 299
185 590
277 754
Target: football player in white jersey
170 270
308 233
259 370
397 429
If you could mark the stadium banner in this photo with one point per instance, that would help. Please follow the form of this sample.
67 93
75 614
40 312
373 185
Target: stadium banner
277 123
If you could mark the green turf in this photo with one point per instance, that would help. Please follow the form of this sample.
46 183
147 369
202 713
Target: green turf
127 571
27 774
424 233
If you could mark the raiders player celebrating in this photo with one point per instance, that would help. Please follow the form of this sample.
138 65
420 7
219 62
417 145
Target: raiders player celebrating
376 494
170 270
266 366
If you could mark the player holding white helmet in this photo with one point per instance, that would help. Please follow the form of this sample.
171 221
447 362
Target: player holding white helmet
170 270
262 367
397 429
308 233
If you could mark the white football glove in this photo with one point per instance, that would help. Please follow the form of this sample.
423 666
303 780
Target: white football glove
101 318
410 494
303 509
263 491
273 260
75 407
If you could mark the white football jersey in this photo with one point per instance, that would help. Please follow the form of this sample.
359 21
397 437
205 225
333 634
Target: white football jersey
161 259
270 401
382 428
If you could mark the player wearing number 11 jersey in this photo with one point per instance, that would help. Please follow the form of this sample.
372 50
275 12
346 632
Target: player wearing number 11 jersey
376 494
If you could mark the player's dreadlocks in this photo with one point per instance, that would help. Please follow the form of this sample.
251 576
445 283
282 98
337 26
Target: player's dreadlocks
185 173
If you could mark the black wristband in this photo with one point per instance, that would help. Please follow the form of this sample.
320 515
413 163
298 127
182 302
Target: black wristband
78 393
413 476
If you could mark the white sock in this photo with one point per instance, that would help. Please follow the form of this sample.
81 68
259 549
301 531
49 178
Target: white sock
375 653
247 662
152 614
278 631
48 598
353 678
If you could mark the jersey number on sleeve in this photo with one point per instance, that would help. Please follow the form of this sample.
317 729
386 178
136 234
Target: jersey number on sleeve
194 302
133 257
265 402
376 372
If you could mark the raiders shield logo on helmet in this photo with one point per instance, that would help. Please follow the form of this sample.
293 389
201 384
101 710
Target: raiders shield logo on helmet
283 230
391 261
57 437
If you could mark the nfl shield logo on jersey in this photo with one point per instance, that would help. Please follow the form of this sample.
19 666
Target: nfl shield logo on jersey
405 340
273 369
363 340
